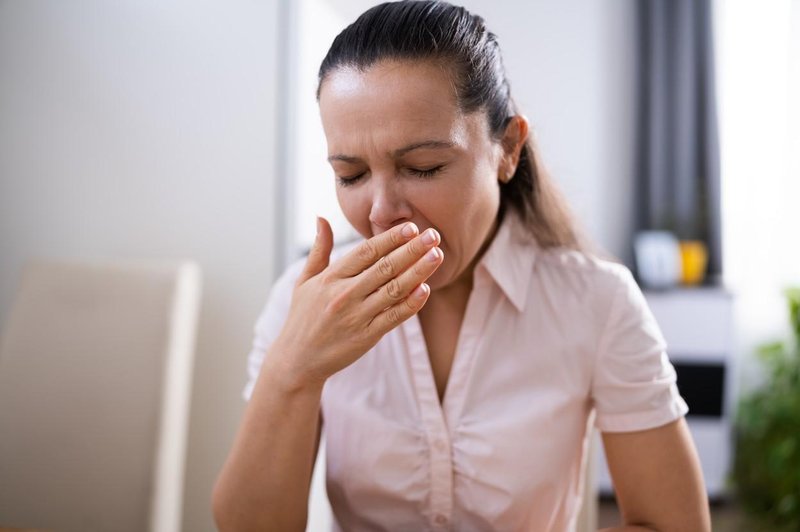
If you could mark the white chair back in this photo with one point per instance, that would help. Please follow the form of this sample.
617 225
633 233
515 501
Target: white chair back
95 377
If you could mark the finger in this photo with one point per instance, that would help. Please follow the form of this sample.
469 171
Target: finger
320 254
395 263
370 251
397 314
398 288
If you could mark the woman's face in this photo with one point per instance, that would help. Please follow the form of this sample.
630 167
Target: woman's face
403 151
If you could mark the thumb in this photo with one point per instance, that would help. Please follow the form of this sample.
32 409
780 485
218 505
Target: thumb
320 254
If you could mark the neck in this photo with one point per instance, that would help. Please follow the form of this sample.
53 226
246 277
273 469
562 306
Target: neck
459 290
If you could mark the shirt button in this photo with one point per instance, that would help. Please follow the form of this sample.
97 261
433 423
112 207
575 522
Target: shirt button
440 519
440 446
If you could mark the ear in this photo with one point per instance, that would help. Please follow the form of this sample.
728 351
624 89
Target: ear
514 138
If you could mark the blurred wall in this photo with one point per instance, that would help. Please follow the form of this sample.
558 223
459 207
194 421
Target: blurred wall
148 129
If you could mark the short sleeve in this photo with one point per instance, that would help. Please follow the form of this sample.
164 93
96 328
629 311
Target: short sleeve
634 383
270 322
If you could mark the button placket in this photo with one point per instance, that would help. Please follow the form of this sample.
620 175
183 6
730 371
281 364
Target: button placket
441 466
441 475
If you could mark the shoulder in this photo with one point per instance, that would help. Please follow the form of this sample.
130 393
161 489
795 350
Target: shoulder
606 292
582 272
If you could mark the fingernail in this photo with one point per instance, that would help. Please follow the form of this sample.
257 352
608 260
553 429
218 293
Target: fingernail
409 230
432 255
429 237
421 291
319 226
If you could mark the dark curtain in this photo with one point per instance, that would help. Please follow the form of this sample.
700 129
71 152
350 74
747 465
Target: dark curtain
678 181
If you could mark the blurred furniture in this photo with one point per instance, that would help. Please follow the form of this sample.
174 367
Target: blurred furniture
95 377
587 517
698 326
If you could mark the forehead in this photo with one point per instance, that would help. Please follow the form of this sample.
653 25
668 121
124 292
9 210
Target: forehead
392 102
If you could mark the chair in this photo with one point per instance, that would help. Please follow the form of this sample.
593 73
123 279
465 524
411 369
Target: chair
587 516
95 377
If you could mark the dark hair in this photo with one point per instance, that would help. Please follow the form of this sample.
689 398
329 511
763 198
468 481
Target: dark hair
433 30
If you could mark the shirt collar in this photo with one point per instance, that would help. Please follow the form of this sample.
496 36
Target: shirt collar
510 257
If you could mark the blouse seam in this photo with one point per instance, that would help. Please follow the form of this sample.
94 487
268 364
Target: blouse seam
634 421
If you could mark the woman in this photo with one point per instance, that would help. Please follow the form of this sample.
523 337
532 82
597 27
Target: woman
457 357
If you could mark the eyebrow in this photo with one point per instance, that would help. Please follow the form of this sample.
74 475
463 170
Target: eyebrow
428 144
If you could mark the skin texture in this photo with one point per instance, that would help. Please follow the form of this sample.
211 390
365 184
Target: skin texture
374 119
658 480
404 155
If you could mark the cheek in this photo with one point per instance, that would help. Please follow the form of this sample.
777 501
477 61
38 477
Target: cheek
467 213
356 208
467 202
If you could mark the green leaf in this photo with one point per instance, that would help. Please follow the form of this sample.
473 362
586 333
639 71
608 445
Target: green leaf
766 468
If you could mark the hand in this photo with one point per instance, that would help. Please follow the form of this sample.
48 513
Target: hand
339 311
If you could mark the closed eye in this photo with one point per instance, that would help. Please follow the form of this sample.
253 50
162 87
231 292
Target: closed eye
429 172
347 181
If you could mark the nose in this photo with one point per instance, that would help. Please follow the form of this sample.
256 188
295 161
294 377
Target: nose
390 206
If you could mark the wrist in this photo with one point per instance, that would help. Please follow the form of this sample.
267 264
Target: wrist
288 375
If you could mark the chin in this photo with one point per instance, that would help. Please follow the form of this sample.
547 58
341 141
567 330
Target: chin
440 278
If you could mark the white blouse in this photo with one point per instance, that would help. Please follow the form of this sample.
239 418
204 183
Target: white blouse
552 341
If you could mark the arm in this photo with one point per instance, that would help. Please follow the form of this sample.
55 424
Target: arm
338 312
657 479
272 459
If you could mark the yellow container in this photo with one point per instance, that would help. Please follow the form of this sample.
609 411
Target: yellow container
694 260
